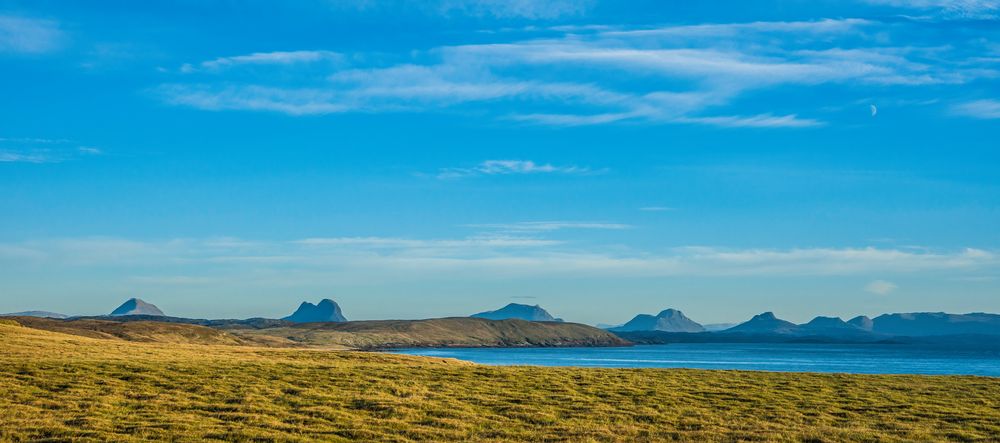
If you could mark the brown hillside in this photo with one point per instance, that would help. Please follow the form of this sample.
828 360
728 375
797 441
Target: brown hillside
439 332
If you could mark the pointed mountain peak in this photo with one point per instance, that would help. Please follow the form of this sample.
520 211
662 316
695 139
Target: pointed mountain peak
326 311
135 306
670 312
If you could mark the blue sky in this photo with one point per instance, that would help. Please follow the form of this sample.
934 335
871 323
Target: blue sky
413 159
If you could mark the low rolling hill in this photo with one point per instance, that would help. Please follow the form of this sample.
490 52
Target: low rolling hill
139 331
381 334
438 332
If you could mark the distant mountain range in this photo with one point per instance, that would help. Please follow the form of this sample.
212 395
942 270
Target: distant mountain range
326 311
40 314
667 326
518 311
767 327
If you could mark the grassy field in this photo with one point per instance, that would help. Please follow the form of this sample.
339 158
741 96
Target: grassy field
59 387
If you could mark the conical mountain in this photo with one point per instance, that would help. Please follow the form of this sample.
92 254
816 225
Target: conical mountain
326 311
135 306
669 320
517 311
765 323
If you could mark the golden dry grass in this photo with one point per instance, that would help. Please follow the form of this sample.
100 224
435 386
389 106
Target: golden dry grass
60 387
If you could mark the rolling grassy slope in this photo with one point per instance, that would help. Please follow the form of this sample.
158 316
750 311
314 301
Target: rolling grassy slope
61 387
438 332
141 331
459 331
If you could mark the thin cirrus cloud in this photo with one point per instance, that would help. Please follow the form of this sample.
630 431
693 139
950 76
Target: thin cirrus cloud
277 58
43 150
600 75
981 109
965 9
500 9
25 157
28 35
511 167
548 226
405 259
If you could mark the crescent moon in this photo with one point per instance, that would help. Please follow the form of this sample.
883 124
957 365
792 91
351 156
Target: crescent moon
874 111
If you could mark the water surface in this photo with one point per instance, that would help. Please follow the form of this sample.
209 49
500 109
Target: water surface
850 358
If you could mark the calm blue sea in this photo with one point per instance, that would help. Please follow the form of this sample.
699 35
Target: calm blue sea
859 359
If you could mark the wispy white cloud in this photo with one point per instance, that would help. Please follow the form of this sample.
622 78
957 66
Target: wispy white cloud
33 140
264 58
986 109
579 78
42 150
26 157
400 258
755 121
511 167
502 9
967 9
881 287
252 98
404 243
542 226
28 35
656 208
715 30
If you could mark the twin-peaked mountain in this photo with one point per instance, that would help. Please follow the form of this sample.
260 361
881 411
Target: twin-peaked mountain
668 320
326 311
518 311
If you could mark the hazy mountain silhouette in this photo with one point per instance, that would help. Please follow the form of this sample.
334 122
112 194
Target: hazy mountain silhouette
326 311
40 314
831 327
765 323
972 331
862 322
518 311
715 327
135 306
669 320
936 323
